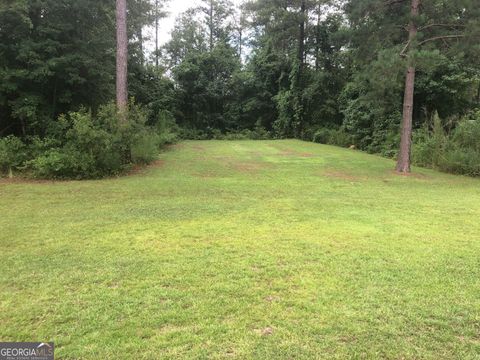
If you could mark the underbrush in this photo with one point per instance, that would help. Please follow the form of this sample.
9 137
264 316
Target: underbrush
457 152
338 137
80 145
258 133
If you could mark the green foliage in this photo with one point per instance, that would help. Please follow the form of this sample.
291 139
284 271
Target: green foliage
429 146
91 148
461 161
166 129
80 145
205 88
294 69
145 148
13 153
338 137
458 152
55 58
259 133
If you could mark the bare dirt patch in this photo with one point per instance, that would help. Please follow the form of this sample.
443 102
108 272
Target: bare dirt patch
198 147
175 147
21 180
291 153
336 174
248 167
142 169
414 175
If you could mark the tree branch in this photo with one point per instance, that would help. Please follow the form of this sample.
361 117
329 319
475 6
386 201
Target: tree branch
404 50
392 2
453 26
441 38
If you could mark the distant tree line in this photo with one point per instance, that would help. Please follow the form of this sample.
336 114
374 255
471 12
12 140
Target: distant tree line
395 77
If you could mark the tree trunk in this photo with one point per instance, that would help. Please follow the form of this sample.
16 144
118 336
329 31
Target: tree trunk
122 56
156 34
403 164
211 24
404 160
140 42
317 41
301 40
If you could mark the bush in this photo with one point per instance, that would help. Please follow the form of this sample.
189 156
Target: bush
322 136
338 137
80 145
13 154
461 161
90 148
167 129
457 153
467 133
64 164
145 148
259 133
429 146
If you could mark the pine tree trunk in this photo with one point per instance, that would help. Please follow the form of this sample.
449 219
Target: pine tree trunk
122 56
156 34
140 42
317 41
403 164
301 39
211 24
299 109
404 155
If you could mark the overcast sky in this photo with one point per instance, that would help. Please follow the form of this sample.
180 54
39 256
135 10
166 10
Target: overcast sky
175 8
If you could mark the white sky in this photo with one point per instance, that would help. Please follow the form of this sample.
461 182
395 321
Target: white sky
174 8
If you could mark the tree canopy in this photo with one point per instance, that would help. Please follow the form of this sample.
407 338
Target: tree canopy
330 71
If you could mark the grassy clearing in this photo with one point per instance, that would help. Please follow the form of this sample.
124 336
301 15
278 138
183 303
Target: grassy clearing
246 250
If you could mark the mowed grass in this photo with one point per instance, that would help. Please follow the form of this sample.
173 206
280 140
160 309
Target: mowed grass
245 250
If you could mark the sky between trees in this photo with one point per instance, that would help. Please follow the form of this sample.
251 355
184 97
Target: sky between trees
174 8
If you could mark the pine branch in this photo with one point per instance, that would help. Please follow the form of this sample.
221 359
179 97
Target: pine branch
403 53
452 26
441 38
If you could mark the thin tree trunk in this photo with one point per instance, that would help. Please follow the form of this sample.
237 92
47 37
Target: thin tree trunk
122 56
301 40
140 41
240 44
24 128
211 24
156 33
299 82
404 155
317 41
54 100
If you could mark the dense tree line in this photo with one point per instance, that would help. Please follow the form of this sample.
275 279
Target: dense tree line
383 75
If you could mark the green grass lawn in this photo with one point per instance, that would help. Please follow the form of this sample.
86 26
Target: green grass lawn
245 250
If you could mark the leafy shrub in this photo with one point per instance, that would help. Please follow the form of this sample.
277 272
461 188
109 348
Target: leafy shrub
458 152
429 146
145 148
80 145
64 163
338 137
13 154
467 134
322 136
259 133
167 130
461 161
91 147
